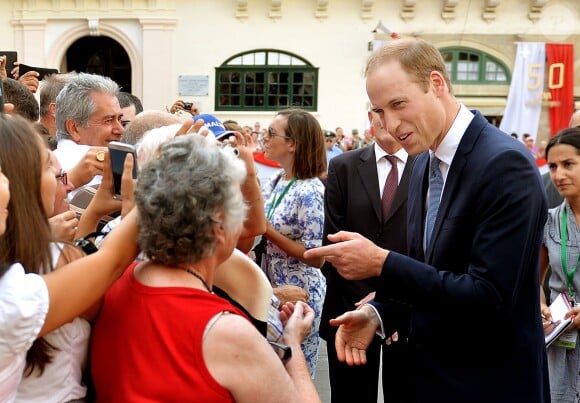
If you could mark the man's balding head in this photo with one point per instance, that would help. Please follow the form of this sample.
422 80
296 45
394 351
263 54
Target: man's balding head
146 121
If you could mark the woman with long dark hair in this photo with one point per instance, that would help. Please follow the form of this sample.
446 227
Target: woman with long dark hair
33 305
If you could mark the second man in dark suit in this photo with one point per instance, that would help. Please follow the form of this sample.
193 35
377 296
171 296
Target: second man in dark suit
357 200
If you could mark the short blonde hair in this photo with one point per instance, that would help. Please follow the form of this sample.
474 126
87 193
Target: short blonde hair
417 57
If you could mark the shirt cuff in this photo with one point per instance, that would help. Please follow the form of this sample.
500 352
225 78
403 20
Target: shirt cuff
380 330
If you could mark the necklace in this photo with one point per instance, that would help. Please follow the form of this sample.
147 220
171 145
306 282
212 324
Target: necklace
199 277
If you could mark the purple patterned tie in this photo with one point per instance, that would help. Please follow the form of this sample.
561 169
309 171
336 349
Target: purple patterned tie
390 186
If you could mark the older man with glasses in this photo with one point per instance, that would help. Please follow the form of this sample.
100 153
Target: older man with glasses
88 118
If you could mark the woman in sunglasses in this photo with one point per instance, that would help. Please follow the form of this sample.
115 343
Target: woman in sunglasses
295 212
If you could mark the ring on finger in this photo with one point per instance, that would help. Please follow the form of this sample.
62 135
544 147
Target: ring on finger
100 156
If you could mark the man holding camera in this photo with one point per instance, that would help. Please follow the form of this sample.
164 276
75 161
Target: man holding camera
189 107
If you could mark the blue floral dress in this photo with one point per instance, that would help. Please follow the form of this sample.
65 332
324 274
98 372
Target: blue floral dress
300 217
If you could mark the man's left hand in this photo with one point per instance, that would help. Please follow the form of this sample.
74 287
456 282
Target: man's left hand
356 330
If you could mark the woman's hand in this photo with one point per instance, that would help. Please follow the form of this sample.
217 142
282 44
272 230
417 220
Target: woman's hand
297 320
104 201
574 313
127 186
547 320
63 226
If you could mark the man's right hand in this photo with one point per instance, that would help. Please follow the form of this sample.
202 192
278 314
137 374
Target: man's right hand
89 166
356 330
354 256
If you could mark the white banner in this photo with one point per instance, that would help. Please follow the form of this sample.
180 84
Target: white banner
524 103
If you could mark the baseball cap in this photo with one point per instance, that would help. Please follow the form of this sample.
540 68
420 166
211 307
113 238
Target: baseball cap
215 126
329 134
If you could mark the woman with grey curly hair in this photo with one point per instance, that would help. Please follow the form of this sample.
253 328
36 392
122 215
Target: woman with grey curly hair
193 204
162 317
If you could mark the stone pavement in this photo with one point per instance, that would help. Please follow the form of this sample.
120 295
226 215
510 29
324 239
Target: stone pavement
321 380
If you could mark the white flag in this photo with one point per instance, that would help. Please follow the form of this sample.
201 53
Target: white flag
524 103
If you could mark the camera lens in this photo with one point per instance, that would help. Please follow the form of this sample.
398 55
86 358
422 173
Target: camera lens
229 147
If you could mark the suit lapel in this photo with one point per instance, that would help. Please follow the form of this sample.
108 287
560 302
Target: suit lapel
416 206
458 164
367 170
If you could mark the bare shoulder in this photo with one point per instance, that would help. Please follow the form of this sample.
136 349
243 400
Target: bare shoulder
226 327
239 358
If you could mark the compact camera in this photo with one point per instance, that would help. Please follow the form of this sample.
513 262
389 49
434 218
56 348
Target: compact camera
187 105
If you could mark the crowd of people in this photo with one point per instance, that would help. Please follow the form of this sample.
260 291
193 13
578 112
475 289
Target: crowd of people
426 242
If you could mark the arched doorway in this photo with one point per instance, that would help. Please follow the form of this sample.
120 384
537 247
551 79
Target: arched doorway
100 55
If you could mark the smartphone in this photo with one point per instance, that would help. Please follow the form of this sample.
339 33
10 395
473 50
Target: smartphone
42 71
117 153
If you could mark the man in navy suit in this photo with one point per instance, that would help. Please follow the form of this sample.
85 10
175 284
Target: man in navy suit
355 189
471 285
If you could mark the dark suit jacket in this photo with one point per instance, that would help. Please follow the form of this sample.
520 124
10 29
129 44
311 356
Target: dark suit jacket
476 329
554 197
352 203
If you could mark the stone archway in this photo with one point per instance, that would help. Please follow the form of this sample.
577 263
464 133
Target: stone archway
68 36
100 55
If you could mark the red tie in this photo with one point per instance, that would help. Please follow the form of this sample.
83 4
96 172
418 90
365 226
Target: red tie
390 186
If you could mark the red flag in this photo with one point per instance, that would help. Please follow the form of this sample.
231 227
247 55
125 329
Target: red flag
560 71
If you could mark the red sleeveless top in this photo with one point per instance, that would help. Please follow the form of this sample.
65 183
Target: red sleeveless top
147 344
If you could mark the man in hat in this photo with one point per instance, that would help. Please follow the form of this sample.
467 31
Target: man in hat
332 149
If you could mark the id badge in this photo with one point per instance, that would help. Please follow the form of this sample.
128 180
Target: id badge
568 339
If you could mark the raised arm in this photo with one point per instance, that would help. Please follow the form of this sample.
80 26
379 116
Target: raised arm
76 286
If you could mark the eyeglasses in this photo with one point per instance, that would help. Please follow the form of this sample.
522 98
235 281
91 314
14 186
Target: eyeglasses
271 133
62 176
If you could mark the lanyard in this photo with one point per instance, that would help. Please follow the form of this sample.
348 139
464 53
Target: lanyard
564 256
276 201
